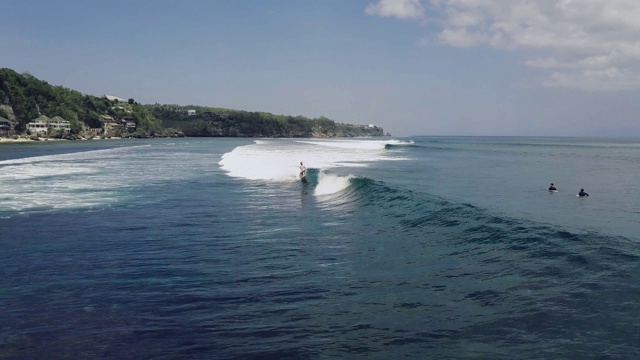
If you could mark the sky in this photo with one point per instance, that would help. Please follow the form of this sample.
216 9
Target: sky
413 67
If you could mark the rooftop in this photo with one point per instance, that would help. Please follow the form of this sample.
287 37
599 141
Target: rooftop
114 98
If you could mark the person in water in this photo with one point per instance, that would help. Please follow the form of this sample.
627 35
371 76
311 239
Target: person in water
303 170
552 187
582 193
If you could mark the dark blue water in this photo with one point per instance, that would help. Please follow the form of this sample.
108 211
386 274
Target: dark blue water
446 248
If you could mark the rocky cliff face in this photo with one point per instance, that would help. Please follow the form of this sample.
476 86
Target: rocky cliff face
9 111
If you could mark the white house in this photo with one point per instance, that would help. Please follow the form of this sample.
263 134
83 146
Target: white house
191 112
58 123
115 98
38 125
43 124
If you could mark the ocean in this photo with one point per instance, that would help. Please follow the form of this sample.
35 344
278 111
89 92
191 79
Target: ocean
417 248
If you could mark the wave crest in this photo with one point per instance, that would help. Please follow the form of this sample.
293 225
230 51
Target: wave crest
331 184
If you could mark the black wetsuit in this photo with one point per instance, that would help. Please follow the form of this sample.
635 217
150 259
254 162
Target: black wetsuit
552 188
582 193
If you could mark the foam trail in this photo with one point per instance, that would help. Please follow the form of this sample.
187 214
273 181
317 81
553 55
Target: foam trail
89 179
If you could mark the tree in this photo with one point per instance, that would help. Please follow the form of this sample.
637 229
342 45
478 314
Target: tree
131 101
76 127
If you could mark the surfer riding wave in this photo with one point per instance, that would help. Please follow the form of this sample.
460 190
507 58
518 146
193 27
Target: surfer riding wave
303 170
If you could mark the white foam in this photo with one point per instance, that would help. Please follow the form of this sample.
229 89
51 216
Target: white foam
356 144
86 155
331 184
251 162
278 159
91 178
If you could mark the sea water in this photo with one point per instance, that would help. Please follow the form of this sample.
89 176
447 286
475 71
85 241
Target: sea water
423 247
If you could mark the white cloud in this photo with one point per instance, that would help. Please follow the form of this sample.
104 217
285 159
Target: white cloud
582 44
585 62
609 79
402 9
460 37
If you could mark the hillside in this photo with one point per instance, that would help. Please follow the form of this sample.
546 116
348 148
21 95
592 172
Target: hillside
207 121
24 98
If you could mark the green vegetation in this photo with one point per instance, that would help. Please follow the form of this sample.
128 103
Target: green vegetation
209 121
30 97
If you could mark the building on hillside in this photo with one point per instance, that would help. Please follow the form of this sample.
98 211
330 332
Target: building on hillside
110 124
95 131
58 123
128 123
115 98
38 125
5 126
44 124
106 119
191 112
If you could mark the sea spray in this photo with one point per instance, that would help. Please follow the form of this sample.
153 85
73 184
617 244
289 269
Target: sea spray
331 184
278 159
260 161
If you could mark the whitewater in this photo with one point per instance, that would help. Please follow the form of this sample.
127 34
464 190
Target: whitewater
277 160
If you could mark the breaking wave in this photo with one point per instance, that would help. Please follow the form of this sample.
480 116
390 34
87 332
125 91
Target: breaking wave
278 160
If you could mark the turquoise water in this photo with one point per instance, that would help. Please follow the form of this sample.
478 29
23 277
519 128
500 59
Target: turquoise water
425 247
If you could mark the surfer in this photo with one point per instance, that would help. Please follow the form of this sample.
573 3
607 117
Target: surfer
552 188
303 170
582 193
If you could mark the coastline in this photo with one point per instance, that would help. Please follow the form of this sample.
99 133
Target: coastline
18 140
26 139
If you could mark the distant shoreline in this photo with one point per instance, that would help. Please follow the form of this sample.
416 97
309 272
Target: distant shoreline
19 140
26 139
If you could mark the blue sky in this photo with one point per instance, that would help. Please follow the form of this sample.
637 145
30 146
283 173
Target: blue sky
414 67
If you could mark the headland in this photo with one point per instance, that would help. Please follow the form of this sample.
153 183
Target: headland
33 110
